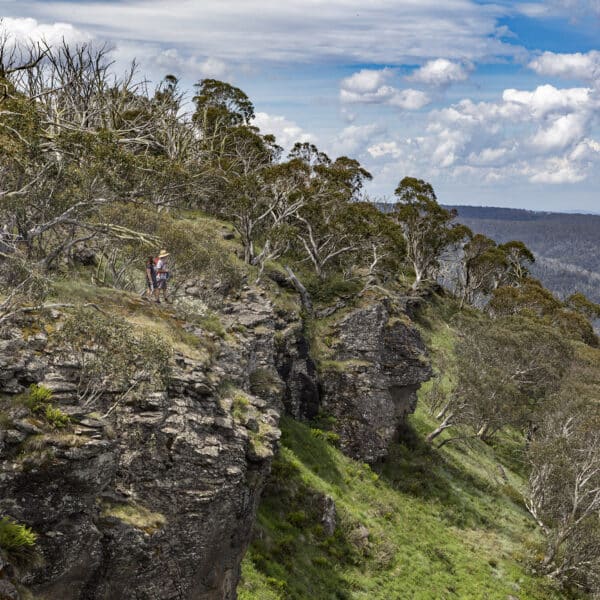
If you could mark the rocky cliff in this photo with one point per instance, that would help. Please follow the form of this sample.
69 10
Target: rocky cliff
156 498
376 363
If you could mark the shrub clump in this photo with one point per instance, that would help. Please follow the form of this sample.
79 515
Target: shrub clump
111 355
38 400
16 541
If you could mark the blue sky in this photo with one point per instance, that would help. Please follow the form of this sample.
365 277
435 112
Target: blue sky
494 103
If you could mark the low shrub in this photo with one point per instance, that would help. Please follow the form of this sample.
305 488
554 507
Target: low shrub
16 541
38 400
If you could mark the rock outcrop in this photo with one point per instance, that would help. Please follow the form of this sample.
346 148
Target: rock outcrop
157 499
377 363
299 373
154 496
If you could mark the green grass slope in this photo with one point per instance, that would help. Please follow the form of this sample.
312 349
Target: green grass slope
427 524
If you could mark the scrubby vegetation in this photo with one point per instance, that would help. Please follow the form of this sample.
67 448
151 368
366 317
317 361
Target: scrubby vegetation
16 541
38 399
496 482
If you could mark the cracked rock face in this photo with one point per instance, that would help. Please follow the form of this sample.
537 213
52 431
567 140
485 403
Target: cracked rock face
156 500
379 362
299 373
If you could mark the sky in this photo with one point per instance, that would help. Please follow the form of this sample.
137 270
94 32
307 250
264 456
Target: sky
494 103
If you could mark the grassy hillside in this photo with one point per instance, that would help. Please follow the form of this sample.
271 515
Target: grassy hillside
427 524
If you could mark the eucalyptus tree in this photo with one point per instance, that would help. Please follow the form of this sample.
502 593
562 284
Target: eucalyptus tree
505 369
428 228
328 224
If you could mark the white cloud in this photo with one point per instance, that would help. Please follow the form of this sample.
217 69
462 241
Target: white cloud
563 131
27 29
380 31
409 99
577 8
586 150
382 149
556 171
353 138
369 86
440 72
366 81
287 132
533 9
546 99
488 157
171 61
541 136
571 9
571 66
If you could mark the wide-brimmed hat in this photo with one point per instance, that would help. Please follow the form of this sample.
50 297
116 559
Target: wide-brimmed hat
163 254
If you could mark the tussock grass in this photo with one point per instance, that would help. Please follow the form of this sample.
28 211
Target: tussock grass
16 541
135 515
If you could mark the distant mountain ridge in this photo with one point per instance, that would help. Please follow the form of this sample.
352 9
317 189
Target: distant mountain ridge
566 245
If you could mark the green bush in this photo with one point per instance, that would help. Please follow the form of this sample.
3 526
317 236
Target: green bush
326 291
16 541
38 400
56 417
240 406
328 436
108 351
263 382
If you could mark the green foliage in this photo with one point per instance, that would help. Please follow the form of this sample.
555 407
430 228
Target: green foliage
221 104
38 400
263 382
532 300
240 406
327 290
487 265
56 417
505 369
37 397
428 228
109 352
16 541
584 306
329 436
211 322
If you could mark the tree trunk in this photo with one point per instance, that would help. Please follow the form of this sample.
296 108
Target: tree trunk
418 278
443 412
446 424
304 295
483 431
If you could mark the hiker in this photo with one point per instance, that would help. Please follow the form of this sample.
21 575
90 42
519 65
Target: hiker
162 275
151 281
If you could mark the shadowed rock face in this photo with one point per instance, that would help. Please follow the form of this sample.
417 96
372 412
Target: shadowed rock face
155 501
379 362
299 373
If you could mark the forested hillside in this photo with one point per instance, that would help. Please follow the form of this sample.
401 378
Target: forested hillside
566 246
224 371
